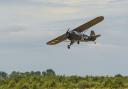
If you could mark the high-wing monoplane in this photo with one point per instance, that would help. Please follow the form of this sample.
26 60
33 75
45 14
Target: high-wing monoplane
77 35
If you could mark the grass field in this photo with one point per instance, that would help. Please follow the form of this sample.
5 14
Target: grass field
49 80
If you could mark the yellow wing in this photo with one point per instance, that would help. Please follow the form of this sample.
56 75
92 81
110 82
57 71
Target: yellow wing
89 24
57 40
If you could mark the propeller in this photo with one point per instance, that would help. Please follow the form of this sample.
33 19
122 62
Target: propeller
67 33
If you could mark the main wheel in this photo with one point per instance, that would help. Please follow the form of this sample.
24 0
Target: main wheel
68 46
78 42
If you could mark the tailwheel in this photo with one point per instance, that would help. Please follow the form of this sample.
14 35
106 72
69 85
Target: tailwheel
68 46
94 42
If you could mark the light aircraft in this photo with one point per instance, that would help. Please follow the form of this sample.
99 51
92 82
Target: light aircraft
77 35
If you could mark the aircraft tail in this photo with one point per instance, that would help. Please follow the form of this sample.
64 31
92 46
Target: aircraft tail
92 34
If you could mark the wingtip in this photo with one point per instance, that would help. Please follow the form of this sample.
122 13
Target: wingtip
102 17
48 43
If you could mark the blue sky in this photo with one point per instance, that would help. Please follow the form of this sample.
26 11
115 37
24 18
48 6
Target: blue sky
26 26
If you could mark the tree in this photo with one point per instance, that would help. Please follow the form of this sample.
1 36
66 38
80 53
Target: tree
50 72
3 75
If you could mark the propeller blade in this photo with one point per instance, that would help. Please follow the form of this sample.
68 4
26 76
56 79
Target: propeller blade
67 33
68 30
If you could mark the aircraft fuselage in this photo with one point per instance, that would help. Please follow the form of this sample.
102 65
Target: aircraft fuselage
76 36
73 35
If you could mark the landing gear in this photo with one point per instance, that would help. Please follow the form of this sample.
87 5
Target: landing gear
70 44
78 42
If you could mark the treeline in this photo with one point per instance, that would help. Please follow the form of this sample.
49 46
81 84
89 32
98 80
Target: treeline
49 80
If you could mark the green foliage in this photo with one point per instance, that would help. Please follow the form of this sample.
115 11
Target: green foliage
49 80
3 75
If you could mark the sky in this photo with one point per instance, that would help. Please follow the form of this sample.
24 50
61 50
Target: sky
26 26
